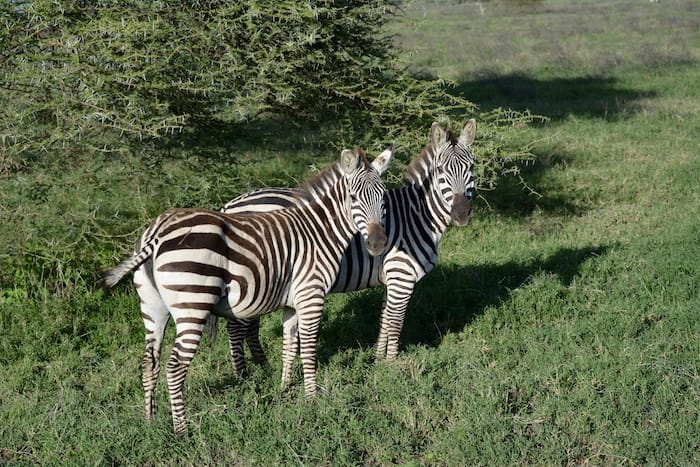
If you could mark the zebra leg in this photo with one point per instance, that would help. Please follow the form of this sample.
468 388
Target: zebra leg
252 338
155 318
383 328
189 325
236 329
398 294
290 344
309 316
155 329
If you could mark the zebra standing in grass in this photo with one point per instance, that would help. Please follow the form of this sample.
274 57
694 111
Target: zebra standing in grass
192 263
439 190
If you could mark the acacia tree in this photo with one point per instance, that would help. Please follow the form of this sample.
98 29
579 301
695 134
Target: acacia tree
103 74
81 77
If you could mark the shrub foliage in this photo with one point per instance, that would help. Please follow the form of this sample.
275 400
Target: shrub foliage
146 69
76 74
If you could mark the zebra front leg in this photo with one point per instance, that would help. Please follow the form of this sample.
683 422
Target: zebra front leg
236 330
290 344
252 338
398 294
309 317
189 328
383 330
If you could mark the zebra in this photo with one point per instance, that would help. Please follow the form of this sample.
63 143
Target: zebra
439 190
192 263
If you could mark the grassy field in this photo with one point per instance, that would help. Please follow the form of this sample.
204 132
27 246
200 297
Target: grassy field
560 327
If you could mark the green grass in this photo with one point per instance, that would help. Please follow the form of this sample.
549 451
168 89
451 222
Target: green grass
558 328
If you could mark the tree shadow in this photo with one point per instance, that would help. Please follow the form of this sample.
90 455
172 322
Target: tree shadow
533 190
555 98
446 301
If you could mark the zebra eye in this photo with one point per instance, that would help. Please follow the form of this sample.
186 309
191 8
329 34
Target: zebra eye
470 194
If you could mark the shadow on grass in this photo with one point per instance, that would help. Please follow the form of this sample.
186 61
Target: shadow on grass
445 301
519 196
556 98
432 312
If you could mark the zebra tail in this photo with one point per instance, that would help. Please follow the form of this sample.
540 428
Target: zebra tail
112 277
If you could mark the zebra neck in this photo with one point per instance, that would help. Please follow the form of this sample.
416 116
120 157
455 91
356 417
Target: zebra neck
427 206
330 208
425 193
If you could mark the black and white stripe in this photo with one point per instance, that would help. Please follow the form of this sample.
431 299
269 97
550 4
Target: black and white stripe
438 191
193 263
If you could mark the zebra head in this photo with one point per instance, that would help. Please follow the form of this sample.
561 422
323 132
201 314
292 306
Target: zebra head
366 195
455 163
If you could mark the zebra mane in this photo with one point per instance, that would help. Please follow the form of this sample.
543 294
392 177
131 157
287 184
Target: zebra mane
324 180
418 169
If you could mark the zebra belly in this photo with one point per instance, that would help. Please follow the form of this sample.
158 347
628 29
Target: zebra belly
230 307
246 298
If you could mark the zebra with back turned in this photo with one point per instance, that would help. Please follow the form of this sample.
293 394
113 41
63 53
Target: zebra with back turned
439 190
191 264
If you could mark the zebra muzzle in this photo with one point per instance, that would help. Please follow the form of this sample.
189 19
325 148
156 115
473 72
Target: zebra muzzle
376 239
461 209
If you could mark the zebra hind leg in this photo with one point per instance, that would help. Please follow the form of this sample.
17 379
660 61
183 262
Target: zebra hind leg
151 369
155 329
189 326
252 338
155 317
236 330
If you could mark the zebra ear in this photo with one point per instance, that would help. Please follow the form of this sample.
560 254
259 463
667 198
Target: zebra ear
437 134
349 161
381 163
468 133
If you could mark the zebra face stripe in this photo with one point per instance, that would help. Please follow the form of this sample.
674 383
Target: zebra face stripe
366 192
456 179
